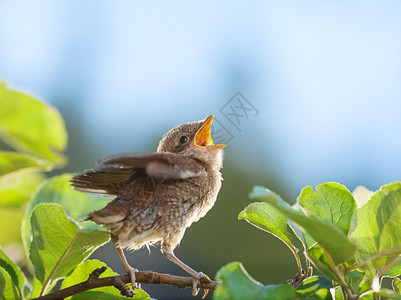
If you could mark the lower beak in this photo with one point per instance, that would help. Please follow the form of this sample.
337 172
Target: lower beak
203 138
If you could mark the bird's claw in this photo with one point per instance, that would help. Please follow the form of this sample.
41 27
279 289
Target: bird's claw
200 278
131 273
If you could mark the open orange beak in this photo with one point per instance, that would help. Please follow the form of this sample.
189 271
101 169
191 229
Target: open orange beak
203 138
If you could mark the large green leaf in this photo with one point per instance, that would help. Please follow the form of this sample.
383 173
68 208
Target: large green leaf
266 217
58 190
314 288
12 162
327 235
17 277
8 290
31 126
237 284
81 273
58 245
331 202
378 224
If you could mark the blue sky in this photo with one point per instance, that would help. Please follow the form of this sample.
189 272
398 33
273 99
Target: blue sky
324 76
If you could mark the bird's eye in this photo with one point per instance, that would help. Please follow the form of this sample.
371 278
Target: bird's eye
183 139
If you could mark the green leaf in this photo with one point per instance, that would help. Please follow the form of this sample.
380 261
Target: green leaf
237 284
7 288
377 225
305 238
12 162
332 202
266 217
17 190
327 235
314 287
319 259
17 277
388 294
81 273
58 245
76 204
355 279
10 218
393 271
338 293
396 285
31 126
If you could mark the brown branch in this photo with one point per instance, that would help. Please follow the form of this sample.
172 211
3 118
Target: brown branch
146 277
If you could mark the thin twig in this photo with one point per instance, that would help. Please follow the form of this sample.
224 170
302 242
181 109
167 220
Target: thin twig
146 277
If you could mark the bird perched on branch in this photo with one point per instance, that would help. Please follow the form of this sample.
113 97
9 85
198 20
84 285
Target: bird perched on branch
158 195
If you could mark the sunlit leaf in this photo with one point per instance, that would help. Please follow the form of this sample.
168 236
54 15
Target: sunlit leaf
81 273
12 162
58 245
361 195
266 217
378 225
237 284
7 288
314 288
31 126
17 277
331 202
17 190
327 235
58 190
10 224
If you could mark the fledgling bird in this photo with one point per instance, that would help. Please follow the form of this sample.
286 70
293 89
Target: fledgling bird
158 195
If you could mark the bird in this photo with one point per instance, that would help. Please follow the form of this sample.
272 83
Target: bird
158 195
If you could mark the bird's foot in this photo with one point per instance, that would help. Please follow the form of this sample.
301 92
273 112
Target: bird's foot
131 272
199 279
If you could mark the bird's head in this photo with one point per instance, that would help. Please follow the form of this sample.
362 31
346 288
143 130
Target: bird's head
193 139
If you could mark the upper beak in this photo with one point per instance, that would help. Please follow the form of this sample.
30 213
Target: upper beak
203 138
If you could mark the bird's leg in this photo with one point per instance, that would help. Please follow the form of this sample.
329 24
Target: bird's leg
130 270
197 277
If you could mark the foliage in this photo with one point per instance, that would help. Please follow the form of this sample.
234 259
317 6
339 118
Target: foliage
354 247
55 241
352 239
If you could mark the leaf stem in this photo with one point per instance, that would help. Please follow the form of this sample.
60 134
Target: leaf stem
294 252
373 258
392 263
338 274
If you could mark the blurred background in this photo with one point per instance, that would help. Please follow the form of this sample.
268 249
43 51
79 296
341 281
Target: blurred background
320 100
